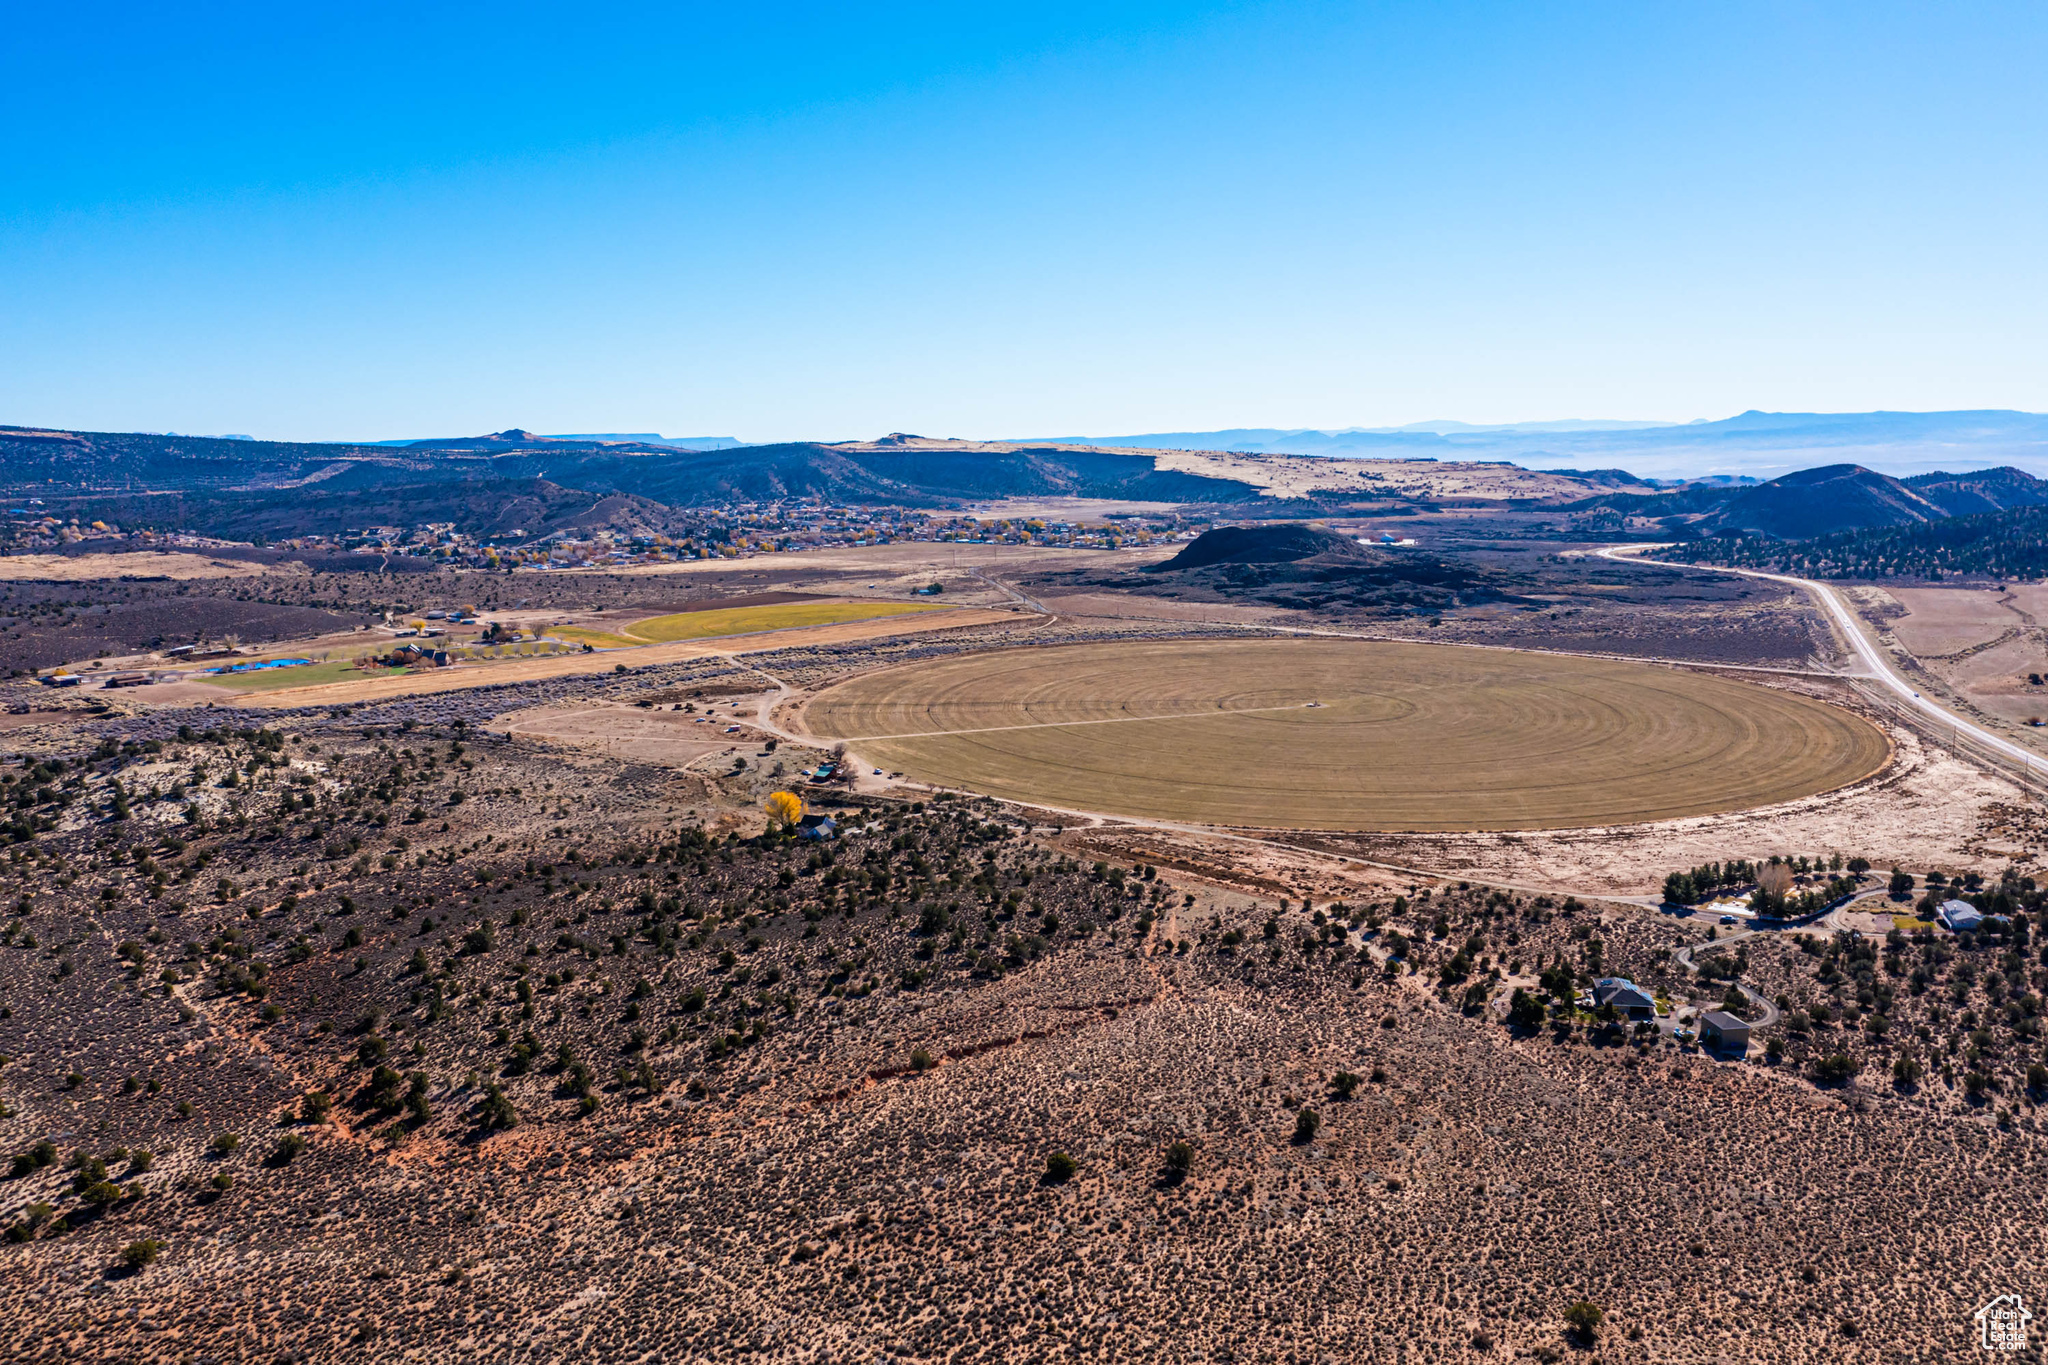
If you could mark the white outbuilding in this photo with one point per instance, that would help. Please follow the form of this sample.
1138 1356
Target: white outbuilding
1957 916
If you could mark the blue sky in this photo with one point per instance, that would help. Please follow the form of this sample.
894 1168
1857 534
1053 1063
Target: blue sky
364 221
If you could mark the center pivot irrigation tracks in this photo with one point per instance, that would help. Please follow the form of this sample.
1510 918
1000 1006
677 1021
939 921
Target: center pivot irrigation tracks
1318 733
1206 714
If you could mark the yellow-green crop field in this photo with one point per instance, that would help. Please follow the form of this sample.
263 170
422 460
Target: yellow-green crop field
705 625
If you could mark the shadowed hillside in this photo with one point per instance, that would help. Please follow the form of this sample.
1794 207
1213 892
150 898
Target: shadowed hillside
1836 497
1982 490
484 506
907 476
2012 543
1844 497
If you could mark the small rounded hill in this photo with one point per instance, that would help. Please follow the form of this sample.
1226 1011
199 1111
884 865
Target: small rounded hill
1286 543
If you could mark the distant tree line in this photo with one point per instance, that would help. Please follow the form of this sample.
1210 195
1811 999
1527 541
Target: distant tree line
2009 544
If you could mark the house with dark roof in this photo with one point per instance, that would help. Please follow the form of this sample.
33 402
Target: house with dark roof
1724 1032
1626 996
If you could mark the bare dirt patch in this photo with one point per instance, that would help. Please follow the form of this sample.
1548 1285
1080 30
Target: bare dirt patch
143 564
1985 646
186 693
1942 621
26 719
668 738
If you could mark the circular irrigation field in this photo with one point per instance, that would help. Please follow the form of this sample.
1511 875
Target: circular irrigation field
1346 734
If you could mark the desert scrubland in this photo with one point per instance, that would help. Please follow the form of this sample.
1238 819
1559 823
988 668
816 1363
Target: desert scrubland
1189 976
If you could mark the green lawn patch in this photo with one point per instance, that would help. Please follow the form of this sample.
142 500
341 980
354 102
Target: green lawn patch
270 679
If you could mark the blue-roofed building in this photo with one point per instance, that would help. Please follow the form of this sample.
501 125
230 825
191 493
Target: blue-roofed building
1957 916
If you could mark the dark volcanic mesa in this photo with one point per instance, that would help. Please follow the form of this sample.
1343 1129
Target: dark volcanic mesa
1310 568
1282 544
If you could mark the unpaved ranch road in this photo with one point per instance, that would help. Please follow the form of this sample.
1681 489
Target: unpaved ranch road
1755 997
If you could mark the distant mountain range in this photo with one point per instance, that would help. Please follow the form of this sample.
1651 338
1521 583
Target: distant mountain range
1822 501
1761 444
517 437
1448 428
515 479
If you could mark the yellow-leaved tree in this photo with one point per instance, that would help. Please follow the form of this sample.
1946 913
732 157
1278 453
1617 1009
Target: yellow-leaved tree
784 808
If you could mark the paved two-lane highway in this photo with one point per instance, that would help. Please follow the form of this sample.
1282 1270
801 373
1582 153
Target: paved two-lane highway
1878 667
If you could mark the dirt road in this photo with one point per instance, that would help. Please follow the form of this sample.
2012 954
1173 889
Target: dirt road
1683 957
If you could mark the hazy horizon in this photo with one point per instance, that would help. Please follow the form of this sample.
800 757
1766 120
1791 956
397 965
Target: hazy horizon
1453 427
